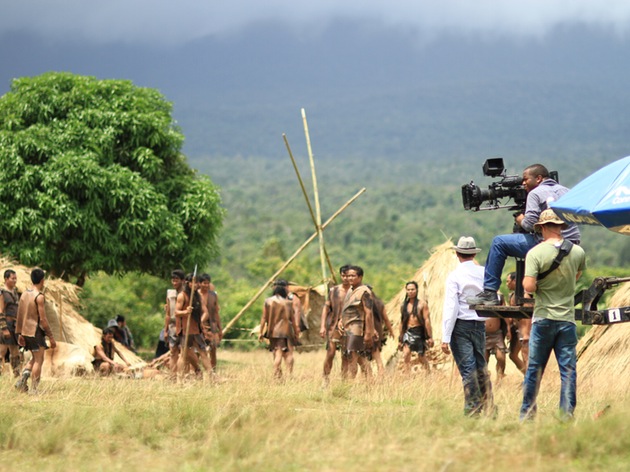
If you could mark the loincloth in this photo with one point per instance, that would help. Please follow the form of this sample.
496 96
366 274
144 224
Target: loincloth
37 342
279 343
416 339
495 341
194 341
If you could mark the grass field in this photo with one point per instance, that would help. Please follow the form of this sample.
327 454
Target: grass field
246 421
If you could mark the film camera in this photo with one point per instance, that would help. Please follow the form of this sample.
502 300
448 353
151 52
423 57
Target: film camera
510 187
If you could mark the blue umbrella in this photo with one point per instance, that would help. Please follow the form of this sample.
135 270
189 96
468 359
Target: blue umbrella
603 198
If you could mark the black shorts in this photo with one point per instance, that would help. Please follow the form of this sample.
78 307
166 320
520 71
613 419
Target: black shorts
416 339
37 342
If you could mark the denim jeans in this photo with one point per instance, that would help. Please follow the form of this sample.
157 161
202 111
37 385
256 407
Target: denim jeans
545 336
503 246
468 344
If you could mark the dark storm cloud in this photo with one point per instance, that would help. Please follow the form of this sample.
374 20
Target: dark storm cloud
168 22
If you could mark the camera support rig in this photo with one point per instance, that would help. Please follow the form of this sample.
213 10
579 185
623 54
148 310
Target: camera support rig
588 314
510 187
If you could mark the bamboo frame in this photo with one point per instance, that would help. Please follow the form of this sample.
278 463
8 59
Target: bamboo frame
288 261
308 203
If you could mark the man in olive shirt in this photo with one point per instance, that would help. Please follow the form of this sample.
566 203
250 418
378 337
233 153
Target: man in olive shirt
553 323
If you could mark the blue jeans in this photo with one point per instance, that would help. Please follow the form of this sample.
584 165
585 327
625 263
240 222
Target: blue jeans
468 344
503 246
545 336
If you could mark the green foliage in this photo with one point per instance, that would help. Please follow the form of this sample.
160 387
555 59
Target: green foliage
139 298
92 178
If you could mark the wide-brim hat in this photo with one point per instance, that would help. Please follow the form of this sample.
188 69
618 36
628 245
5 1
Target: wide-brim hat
466 245
548 216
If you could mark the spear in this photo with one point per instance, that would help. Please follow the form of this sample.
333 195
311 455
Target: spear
190 303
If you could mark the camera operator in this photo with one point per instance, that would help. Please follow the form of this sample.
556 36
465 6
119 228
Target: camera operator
541 190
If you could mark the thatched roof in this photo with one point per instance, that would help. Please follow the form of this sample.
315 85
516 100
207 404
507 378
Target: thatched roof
431 279
313 299
604 352
68 326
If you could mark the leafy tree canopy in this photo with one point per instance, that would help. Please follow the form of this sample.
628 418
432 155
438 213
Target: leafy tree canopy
92 178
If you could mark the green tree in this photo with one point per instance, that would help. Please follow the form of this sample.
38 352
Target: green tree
92 178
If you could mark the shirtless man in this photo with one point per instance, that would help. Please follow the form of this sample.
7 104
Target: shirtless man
9 298
495 344
331 314
191 332
357 320
416 333
213 325
177 282
170 332
296 303
279 325
31 329
104 353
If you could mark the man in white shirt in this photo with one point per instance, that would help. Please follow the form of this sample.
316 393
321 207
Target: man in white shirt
464 331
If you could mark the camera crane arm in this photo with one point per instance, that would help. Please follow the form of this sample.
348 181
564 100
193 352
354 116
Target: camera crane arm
591 296
588 314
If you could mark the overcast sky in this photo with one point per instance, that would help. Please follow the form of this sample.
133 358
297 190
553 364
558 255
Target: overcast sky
238 71
175 22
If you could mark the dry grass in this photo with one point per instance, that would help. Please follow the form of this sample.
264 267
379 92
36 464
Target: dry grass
247 421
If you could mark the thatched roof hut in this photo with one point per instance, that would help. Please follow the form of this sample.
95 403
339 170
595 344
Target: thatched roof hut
431 279
75 335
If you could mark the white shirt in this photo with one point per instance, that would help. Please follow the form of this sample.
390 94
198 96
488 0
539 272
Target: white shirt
464 282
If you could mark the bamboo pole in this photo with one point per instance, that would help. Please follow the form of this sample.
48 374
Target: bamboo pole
308 203
286 264
316 193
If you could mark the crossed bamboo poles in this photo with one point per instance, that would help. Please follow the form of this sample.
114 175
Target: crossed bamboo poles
315 216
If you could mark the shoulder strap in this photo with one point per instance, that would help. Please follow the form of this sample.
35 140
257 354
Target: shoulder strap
565 248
